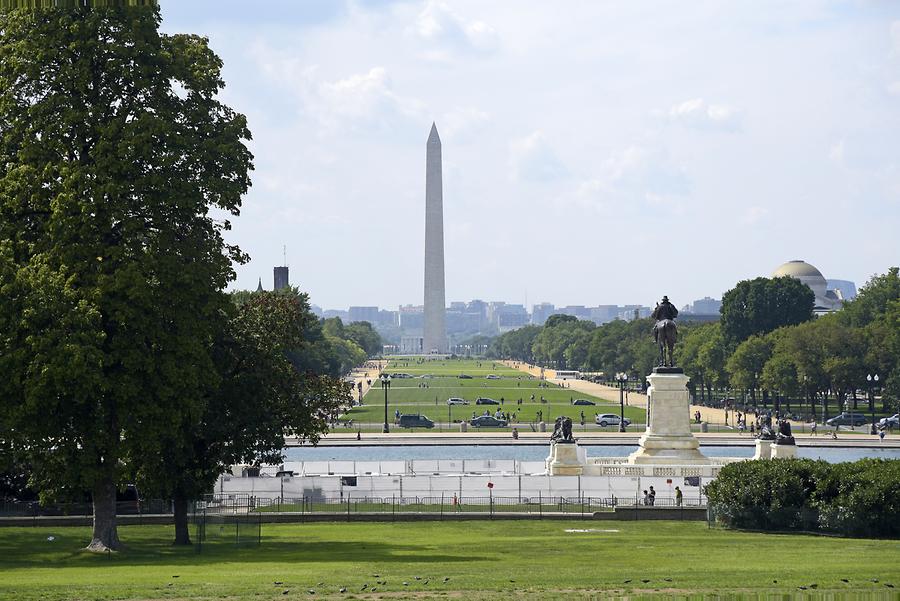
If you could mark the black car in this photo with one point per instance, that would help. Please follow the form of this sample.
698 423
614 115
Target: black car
488 421
486 401
583 402
415 421
464 377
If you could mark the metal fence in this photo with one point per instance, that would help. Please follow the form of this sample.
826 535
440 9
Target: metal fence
491 505
14 509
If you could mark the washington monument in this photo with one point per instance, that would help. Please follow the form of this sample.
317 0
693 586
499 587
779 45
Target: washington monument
435 330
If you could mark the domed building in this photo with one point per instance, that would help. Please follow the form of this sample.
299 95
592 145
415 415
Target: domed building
826 300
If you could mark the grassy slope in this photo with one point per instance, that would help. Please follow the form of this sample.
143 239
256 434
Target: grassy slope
480 558
406 395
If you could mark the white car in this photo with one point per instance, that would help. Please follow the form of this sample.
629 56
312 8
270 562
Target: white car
609 419
492 377
890 422
457 401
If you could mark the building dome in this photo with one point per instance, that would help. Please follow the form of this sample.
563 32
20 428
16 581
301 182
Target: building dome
798 269
810 276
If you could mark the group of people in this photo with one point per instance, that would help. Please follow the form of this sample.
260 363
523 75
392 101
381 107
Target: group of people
650 497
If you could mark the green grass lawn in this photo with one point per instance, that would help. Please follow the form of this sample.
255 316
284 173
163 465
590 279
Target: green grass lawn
483 560
410 395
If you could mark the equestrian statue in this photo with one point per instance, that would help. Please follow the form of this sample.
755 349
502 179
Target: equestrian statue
665 332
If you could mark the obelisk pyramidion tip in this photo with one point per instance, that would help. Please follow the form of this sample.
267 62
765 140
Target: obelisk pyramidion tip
433 137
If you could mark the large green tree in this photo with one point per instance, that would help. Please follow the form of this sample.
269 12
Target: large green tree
762 305
114 150
261 399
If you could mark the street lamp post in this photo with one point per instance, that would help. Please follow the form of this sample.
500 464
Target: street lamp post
621 379
385 384
872 380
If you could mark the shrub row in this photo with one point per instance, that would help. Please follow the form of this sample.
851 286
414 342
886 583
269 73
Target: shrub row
861 498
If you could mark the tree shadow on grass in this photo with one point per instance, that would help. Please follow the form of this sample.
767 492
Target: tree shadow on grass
26 551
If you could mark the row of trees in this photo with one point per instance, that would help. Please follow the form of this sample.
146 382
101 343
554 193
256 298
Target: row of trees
767 342
122 357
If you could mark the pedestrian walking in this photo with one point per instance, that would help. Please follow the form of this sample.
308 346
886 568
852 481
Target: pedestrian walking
652 496
678 497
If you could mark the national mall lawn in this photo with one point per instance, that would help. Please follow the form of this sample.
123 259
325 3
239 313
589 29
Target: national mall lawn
482 560
434 381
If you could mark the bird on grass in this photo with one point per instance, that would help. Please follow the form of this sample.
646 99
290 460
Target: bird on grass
813 585
887 584
364 586
405 584
277 583
418 577
446 579
844 580
311 592
285 592
645 581
667 579
628 581
343 589
802 588
426 582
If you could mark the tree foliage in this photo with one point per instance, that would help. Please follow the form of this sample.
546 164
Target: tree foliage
111 265
762 305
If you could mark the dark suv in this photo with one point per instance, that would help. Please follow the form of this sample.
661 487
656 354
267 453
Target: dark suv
415 421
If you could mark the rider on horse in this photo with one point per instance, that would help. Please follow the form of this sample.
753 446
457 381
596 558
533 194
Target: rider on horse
664 314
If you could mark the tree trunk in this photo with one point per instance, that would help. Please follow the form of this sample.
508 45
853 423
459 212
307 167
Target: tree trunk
105 536
180 509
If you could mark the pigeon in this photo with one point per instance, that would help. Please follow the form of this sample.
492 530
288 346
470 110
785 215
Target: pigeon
446 579
276 583
426 582
844 580
311 592
364 586
667 579
774 582
627 581
374 589
176 576
285 592
874 579
321 584
645 581
376 575
813 585
889 585
343 589
802 588
405 584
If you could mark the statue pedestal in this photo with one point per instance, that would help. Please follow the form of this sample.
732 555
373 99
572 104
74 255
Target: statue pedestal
763 449
784 451
668 439
566 459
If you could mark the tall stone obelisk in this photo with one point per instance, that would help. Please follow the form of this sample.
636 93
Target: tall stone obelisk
434 330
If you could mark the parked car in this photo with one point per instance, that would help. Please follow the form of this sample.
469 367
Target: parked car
402 376
583 402
609 419
464 377
492 377
890 422
848 419
487 421
486 401
415 421
457 401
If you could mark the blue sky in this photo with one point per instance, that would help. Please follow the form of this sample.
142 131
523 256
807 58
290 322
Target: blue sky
594 152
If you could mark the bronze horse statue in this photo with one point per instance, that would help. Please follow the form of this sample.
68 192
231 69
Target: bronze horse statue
665 332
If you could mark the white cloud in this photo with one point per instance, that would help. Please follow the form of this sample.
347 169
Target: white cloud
894 88
461 123
446 33
696 112
754 215
895 37
532 159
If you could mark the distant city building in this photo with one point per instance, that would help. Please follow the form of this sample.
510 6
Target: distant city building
827 300
845 289
703 306
412 318
604 314
369 314
282 280
332 313
541 313
579 311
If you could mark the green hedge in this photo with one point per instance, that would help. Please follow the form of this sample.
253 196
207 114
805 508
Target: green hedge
857 499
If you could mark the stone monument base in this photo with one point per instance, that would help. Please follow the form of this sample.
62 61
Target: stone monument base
763 449
668 450
784 451
566 459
